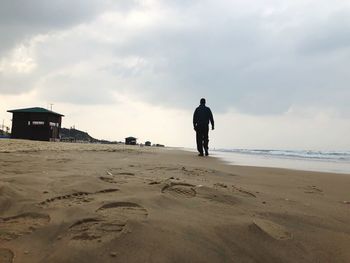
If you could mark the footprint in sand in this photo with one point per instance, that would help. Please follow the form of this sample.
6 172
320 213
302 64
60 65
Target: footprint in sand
192 172
125 173
110 173
243 191
180 190
111 223
215 195
62 160
16 226
105 191
185 190
76 198
107 179
271 229
111 180
312 189
123 211
154 182
6 255
220 185
95 229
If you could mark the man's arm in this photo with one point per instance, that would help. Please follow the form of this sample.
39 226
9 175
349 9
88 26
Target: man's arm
195 118
211 118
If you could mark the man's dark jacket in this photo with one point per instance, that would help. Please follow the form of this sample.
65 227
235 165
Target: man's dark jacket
201 117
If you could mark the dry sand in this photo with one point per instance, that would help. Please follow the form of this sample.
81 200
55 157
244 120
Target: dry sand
100 203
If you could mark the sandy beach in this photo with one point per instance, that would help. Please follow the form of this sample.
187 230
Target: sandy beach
62 202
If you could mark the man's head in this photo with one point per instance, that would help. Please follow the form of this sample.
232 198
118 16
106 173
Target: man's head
202 101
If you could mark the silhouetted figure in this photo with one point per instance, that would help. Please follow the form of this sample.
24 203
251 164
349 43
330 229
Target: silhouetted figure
201 117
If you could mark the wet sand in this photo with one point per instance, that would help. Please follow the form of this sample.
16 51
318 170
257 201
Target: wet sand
62 202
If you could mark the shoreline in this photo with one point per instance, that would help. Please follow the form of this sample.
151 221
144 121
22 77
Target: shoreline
297 164
96 203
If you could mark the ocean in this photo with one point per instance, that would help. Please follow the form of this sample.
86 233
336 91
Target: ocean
321 161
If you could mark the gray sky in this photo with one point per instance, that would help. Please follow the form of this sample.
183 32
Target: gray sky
275 73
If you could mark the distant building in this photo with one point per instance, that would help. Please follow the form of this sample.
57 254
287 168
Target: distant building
130 141
36 124
148 143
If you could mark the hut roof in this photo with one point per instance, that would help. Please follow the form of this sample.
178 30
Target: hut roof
35 110
131 138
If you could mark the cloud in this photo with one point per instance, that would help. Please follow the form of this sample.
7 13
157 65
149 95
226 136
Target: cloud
20 20
327 34
259 58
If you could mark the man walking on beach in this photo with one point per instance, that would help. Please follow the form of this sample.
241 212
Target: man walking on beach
201 117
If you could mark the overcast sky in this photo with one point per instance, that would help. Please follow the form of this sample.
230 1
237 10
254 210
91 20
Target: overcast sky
275 73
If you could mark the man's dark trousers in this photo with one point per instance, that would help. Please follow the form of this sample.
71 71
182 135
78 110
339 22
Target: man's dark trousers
202 138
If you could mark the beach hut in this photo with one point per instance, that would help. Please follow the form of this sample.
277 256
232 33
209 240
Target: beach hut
130 140
148 143
35 124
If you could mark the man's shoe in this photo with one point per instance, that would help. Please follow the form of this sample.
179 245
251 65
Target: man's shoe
206 153
200 154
